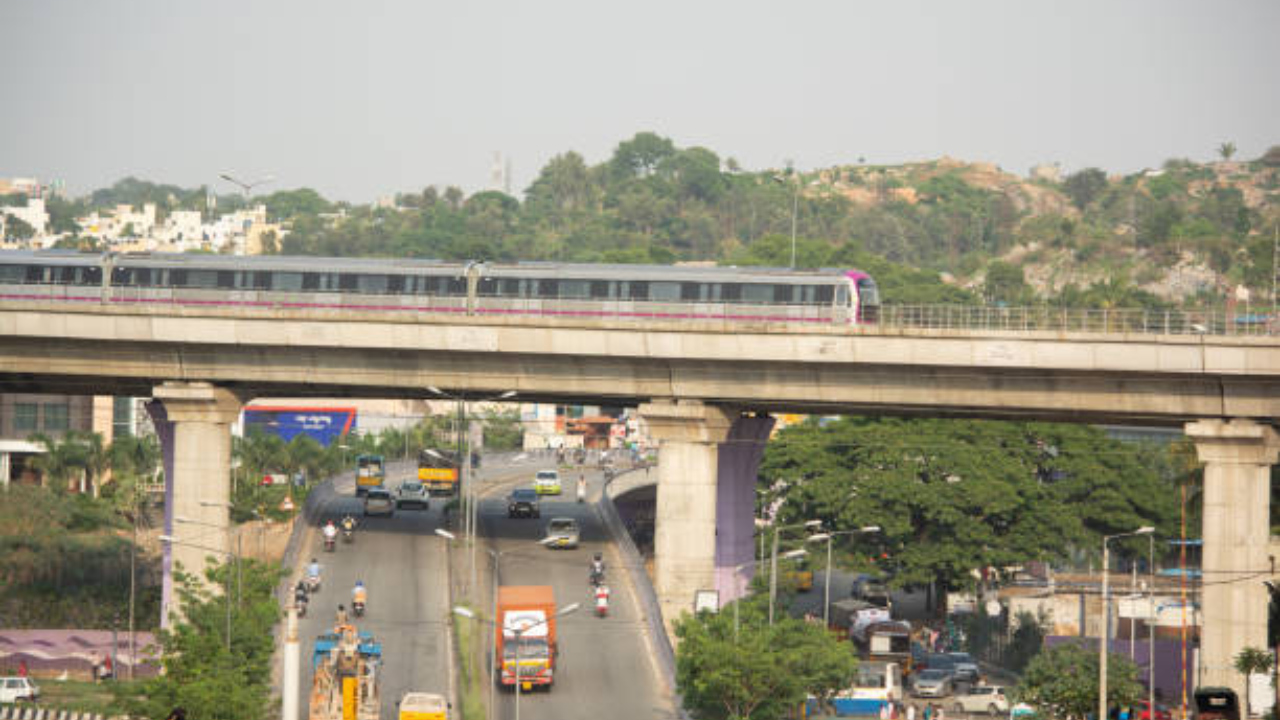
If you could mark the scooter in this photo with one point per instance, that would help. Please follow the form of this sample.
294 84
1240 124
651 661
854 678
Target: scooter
602 601
300 604
313 584
330 544
582 492
596 576
357 608
348 535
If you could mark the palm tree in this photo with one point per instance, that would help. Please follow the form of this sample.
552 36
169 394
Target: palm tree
1251 661
61 462
1226 150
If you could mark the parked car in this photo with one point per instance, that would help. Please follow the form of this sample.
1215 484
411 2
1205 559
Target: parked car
988 699
941 661
966 668
18 689
524 502
931 683
413 492
377 501
561 533
547 482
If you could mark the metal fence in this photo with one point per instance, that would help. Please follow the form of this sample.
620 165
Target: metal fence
1045 319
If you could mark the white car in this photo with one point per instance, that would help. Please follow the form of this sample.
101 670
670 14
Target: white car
412 492
547 482
988 699
18 689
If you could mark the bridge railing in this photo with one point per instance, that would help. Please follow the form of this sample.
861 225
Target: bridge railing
1029 319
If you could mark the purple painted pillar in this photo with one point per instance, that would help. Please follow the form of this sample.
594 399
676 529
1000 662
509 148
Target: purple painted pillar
164 433
737 465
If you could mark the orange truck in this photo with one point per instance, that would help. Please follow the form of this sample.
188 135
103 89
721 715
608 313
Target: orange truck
526 636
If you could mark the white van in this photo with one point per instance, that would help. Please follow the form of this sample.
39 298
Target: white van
18 689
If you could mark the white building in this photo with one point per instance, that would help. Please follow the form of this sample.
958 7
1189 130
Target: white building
33 214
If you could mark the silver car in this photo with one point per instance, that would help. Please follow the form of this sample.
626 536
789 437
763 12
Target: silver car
412 492
378 502
561 533
931 683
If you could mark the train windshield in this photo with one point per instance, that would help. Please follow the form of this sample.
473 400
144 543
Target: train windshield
868 292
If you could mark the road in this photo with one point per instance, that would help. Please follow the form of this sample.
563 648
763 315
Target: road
402 562
604 663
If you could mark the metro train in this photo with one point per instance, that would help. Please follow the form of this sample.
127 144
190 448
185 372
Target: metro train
639 292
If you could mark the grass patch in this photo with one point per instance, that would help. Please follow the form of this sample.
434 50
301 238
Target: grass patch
78 695
468 634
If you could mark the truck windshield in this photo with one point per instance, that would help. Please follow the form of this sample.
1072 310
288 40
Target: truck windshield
530 648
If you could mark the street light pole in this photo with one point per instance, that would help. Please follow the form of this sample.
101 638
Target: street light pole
826 583
1106 616
773 561
1151 636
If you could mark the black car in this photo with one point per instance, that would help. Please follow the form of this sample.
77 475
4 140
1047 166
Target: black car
523 502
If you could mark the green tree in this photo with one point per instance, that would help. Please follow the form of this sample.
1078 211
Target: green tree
641 155
213 675
947 504
1006 284
1226 150
1251 661
15 228
1062 681
503 431
757 671
1085 186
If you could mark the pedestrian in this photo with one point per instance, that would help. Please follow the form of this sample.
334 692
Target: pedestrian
108 670
97 668
928 712
22 668
884 711
938 714
911 712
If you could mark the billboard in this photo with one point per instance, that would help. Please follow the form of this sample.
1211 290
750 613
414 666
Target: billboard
323 424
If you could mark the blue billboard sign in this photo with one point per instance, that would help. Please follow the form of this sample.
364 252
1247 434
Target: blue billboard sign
322 424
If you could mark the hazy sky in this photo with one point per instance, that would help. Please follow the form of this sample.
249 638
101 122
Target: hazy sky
360 99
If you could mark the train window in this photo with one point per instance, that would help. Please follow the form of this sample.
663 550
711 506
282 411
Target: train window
575 289
65 275
709 292
199 279
457 287
93 275
12 274
286 281
868 292
234 279
664 291
754 293
842 294
347 282
372 284
602 289
823 294
395 284
639 290
507 287
732 292
690 291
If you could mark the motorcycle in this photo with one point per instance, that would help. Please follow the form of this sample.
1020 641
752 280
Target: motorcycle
330 543
348 535
602 601
357 608
300 604
596 577
313 584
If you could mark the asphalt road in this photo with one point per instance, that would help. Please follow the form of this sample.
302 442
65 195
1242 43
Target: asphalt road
402 563
605 664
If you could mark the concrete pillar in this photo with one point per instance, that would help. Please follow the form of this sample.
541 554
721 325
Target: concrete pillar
197 476
739 463
1237 457
689 436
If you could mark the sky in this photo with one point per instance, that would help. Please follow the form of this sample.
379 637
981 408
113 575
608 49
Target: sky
361 100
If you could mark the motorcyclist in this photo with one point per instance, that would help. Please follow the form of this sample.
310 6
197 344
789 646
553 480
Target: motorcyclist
348 523
582 488
341 618
359 594
313 570
597 569
602 599
330 531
